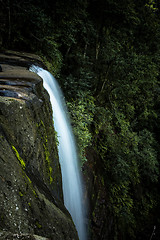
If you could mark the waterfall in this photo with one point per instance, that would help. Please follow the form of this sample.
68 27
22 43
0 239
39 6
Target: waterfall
71 179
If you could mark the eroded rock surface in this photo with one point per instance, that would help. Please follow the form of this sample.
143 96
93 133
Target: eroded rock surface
31 200
10 236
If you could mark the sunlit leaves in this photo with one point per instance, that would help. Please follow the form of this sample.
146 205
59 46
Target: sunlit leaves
82 113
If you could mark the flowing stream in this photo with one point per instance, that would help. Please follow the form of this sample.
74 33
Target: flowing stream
71 179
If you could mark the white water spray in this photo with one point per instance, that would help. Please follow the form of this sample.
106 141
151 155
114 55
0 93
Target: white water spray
71 179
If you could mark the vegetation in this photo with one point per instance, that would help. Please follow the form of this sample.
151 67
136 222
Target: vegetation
19 158
106 56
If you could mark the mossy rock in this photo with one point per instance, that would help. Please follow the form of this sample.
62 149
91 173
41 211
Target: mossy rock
31 199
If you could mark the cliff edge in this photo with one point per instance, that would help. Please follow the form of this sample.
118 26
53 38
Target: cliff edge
31 199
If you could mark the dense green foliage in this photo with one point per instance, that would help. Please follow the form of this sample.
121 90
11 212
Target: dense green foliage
106 56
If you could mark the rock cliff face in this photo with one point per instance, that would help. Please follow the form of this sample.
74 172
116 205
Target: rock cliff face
101 221
31 201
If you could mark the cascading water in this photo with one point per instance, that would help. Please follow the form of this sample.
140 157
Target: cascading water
71 179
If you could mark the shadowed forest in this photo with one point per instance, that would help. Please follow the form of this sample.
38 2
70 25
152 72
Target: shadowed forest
106 56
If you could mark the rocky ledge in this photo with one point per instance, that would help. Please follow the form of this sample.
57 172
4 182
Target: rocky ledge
31 201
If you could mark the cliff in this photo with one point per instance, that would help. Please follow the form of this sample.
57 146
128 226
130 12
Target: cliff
31 199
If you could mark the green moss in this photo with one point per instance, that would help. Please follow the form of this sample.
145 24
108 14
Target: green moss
50 173
40 124
19 158
47 155
38 225
44 138
102 181
29 179
20 194
34 192
30 182
56 137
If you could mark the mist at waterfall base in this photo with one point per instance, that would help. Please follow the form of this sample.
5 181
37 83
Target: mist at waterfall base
71 179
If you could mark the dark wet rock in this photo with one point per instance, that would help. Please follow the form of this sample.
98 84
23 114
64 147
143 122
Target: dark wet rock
21 59
10 236
31 200
101 221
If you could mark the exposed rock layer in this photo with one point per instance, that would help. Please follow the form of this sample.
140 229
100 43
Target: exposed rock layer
31 199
